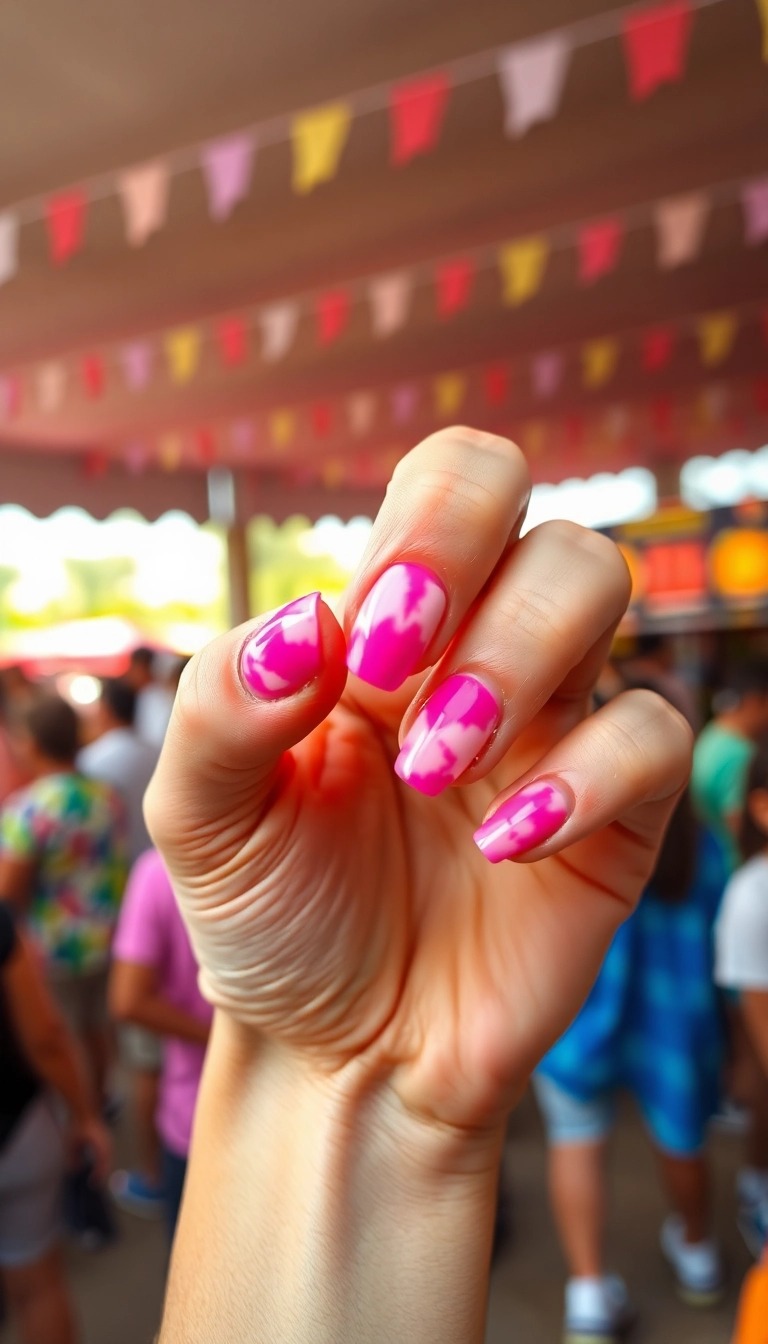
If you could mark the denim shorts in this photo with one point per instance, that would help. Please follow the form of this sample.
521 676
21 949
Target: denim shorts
31 1170
570 1121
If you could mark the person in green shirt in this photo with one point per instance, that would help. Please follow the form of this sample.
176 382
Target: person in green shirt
724 751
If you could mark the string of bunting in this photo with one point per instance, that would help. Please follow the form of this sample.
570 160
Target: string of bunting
531 74
679 224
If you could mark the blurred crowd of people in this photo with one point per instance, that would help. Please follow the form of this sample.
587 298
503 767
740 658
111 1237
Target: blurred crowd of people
95 965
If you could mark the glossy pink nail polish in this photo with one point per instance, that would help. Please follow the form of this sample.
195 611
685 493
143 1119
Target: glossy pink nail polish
395 625
450 730
524 821
284 654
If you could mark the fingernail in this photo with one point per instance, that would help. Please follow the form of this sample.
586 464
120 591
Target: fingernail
524 821
453 726
285 653
395 625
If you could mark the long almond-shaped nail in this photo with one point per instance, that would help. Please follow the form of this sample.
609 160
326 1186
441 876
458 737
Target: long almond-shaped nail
395 625
285 653
524 821
450 730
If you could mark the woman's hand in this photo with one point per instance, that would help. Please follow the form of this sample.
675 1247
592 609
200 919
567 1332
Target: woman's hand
346 914
90 1137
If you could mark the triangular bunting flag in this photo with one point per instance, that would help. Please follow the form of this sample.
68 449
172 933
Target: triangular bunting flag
656 45
680 223
657 348
278 328
449 393
182 348
51 382
754 199
522 265
390 300
417 110
361 410
143 191
232 337
404 402
616 423
241 437
532 75
66 224
762 9
10 396
319 137
170 450
332 315
547 373
322 419
333 472
135 457
281 427
496 382
599 247
93 375
453 284
136 359
227 166
205 447
9 245
599 359
716 333
713 404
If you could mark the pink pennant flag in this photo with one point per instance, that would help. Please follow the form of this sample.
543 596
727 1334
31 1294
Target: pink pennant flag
278 328
599 247
390 300
417 111
143 191
10 396
136 359
532 75
227 167
656 45
546 373
404 400
453 285
680 223
9 245
66 224
92 370
754 199
361 410
232 337
136 457
242 437
51 383
332 315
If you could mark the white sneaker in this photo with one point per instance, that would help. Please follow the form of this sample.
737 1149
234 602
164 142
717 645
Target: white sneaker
597 1311
697 1268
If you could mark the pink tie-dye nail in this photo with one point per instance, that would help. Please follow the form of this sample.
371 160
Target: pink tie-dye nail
285 653
395 625
453 726
523 822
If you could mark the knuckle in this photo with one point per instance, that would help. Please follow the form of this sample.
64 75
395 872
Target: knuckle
661 723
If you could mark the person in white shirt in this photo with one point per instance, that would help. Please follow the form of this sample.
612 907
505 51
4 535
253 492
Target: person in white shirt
154 699
120 758
741 964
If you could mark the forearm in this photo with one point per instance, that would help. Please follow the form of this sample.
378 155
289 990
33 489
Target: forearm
158 1015
58 1063
322 1212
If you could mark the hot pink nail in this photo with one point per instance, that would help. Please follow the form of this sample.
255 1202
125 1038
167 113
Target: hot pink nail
285 653
450 730
395 625
523 822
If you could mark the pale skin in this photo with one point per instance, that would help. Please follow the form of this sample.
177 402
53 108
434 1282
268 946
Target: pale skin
383 991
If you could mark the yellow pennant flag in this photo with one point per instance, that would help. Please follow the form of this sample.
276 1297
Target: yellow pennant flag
449 393
183 350
762 9
599 359
534 437
170 451
333 472
318 139
716 334
522 265
281 426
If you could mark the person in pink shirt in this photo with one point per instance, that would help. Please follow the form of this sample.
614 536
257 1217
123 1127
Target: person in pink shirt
153 984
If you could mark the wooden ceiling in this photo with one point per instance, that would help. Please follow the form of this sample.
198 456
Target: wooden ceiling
87 88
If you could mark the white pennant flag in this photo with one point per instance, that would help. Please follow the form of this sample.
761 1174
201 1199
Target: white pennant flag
51 380
390 299
9 246
680 222
532 75
361 409
278 329
144 194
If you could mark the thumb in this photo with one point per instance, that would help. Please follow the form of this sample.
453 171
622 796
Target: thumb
242 702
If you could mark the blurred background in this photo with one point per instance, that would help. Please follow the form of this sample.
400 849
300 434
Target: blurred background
250 254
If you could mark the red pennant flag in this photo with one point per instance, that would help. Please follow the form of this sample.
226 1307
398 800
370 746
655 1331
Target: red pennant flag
761 393
417 110
93 375
574 429
231 335
764 323
66 224
206 447
656 45
332 315
657 348
454 280
599 247
661 413
322 419
496 382
95 464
